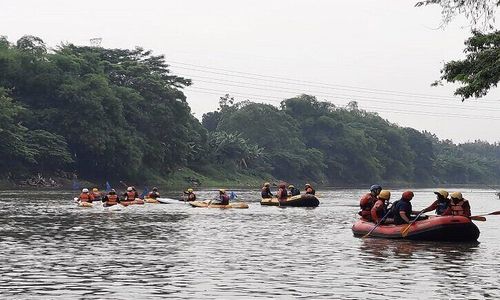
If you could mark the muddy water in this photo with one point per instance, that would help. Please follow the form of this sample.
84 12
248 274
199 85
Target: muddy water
52 249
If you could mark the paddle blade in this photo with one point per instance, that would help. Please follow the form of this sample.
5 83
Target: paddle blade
495 213
478 218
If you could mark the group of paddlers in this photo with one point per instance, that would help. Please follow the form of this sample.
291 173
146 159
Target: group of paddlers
375 206
282 193
112 198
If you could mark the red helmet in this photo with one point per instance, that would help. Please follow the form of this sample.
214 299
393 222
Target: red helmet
408 195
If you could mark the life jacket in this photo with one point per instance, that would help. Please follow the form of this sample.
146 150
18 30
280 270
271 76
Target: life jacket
310 190
191 197
458 209
366 203
442 206
85 197
378 210
112 199
130 196
224 199
96 195
266 192
282 194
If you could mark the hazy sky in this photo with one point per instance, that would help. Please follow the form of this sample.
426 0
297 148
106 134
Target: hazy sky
382 53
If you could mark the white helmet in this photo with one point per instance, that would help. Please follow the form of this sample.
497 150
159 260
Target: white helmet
85 190
129 189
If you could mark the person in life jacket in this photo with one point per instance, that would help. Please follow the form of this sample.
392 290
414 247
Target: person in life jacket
154 193
282 193
85 196
266 191
441 204
96 194
402 209
130 194
223 198
379 208
191 196
111 198
293 190
367 201
309 189
458 206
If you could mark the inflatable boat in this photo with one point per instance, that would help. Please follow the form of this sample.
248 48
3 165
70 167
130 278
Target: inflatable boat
435 228
306 200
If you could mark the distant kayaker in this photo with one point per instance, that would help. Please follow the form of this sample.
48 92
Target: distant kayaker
282 192
379 208
130 194
367 201
441 204
85 196
458 206
309 189
191 196
266 191
293 190
223 198
403 209
97 196
111 198
154 194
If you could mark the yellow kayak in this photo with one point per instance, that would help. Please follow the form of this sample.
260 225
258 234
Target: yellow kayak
207 204
85 204
151 200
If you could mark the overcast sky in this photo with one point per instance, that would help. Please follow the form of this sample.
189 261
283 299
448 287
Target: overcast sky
382 53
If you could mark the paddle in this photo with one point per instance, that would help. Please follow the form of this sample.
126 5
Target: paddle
492 213
405 230
378 223
478 218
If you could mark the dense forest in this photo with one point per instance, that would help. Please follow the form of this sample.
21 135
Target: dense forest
121 114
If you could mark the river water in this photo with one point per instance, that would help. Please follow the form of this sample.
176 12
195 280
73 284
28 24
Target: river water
52 249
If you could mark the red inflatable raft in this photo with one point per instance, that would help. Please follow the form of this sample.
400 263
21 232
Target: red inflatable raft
435 228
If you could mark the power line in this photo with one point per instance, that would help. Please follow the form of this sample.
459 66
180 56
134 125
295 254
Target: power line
285 80
279 99
373 99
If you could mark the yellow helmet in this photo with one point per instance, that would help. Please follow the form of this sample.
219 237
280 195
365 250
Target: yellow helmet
95 190
222 191
267 184
456 195
190 190
442 193
384 195
291 186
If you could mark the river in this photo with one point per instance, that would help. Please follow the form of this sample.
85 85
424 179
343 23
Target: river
52 249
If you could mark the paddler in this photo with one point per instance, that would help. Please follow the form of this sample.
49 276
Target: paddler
458 206
367 201
154 194
441 204
379 209
97 196
282 193
309 189
111 198
130 194
266 191
293 190
85 196
223 198
403 209
191 196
